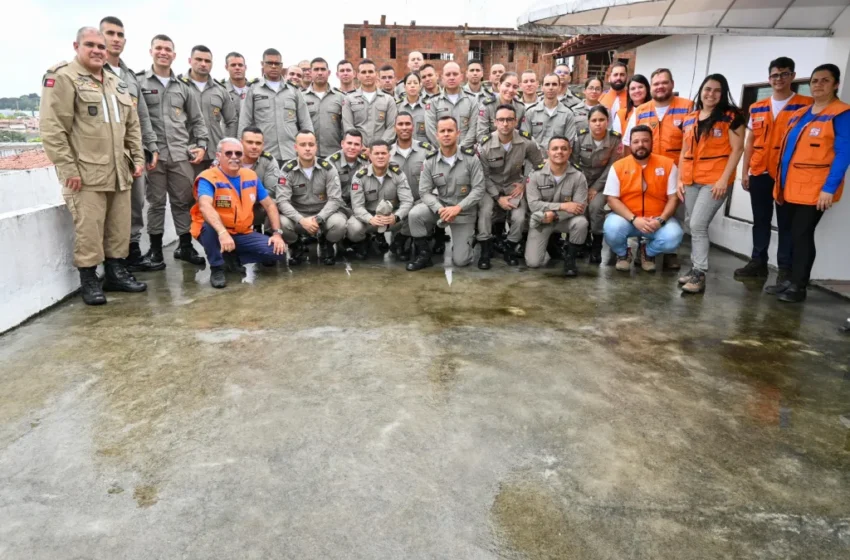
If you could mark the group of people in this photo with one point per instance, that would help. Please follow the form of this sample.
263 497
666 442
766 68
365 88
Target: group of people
257 171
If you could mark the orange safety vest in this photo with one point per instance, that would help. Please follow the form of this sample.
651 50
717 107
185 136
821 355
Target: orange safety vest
811 159
624 117
609 96
768 132
647 203
236 212
666 133
703 161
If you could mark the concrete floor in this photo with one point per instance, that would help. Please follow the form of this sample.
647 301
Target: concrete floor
384 414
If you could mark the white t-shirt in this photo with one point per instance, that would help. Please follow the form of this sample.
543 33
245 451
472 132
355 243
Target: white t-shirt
380 179
116 69
450 160
240 90
201 85
615 125
551 112
274 85
453 97
507 147
403 152
370 95
660 111
164 81
320 94
776 105
558 178
597 142
308 171
612 184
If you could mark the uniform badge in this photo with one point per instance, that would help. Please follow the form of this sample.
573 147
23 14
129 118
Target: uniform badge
93 110
121 87
717 133
653 125
814 132
427 106
757 119
464 189
253 197
354 186
481 113
334 117
135 102
422 127
49 82
677 122
659 171
290 114
381 116
568 199
216 111
281 181
178 111
242 95
322 196
464 122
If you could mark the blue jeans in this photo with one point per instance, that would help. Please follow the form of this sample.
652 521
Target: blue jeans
250 247
761 200
617 231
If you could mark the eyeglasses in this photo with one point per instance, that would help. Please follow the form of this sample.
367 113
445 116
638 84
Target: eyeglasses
780 75
273 64
593 88
231 153
561 72
95 46
506 121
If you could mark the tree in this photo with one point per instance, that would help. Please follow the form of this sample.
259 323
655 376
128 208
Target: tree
12 136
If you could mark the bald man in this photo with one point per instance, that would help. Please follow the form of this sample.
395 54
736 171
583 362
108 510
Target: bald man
452 102
414 62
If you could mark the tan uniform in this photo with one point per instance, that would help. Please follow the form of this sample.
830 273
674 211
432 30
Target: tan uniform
543 126
236 97
487 116
346 173
299 196
375 120
417 110
326 114
464 111
501 170
90 129
279 114
545 192
219 115
367 190
595 163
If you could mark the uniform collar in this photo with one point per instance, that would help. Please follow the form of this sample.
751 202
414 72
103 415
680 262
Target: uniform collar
404 102
329 91
377 92
370 171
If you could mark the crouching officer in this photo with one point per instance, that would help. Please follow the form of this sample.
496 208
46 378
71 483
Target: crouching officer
88 124
264 165
378 182
309 198
451 185
348 161
557 198
223 214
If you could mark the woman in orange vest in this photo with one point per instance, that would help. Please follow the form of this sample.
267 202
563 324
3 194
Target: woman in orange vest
815 157
712 146
638 88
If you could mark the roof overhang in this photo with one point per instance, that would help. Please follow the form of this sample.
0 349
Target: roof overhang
754 18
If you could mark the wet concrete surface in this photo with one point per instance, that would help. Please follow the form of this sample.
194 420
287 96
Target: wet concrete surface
377 413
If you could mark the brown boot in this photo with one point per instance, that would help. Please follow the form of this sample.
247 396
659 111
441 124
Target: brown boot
696 283
647 263
624 263
671 262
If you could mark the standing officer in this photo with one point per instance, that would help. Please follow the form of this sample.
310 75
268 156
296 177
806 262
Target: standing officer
236 85
88 125
454 102
113 31
324 104
378 181
414 63
474 85
430 83
557 197
529 88
451 185
294 74
309 199
496 73
306 73
348 161
503 157
368 109
277 108
219 114
264 165
549 117
386 75
565 96
345 75
176 118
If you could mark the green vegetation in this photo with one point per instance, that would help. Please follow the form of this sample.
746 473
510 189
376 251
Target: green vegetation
23 103
12 136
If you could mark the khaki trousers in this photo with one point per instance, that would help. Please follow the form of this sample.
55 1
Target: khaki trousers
172 180
101 225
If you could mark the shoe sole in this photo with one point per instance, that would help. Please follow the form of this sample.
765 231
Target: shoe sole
107 288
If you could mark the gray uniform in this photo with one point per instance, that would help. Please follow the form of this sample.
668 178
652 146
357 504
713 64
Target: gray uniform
595 163
268 171
546 193
137 202
418 112
367 191
375 120
501 170
346 172
219 115
464 112
581 113
279 114
326 114
412 166
543 127
299 197
480 95
487 116
235 97
569 99
441 184
178 123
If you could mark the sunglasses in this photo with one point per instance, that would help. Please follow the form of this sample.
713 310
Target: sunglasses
232 153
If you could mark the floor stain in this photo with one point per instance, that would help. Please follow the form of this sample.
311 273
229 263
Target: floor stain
145 496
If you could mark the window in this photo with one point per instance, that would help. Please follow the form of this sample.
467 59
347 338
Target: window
534 55
392 47
757 92
438 56
511 49
363 47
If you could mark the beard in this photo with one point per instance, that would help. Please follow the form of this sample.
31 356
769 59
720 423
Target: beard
641 153
667 96
618 86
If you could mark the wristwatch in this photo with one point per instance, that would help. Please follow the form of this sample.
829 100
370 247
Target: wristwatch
633 219
662 220
278 231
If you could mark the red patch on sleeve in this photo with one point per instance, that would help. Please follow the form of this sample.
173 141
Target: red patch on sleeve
481 113
528 179
428 107
281 181
49 82
354 187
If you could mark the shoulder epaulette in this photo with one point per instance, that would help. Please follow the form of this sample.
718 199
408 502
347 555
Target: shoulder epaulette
425 145
221 82
267 155
525 134
432 154
485 139
363 157
361 173
335 157
395 168
541 165
615 133
488 100
576 166
141 72
468 151
323 163
57 66
254 81
289 166
583 131
183 79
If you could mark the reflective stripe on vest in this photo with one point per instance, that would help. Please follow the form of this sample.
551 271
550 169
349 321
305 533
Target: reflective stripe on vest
768 132
704 161
236 210
666 133
656 174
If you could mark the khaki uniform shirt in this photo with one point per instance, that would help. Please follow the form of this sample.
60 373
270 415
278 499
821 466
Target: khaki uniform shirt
279 114
375 120
460 184
237 98
413 164
318 195
418 112
502 169
487 116
595 161
90 129
326 114
464 112
543 127
176 117
135 91
545 193
268 171
346 173
367 191
219 114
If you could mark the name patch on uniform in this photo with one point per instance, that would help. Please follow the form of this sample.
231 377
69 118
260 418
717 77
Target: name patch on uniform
223 202
717 132
49 82
659 171
151 91
814 132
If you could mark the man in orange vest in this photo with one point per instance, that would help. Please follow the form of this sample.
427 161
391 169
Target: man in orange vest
616 97
223 214
768 124
641 192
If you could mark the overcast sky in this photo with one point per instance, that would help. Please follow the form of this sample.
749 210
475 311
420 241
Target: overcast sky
39 33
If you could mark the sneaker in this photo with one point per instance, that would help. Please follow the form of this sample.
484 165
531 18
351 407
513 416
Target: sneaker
684 278
753 269
696 283
624 263
647 263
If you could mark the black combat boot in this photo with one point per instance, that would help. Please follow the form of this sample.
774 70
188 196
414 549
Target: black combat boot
783 282
90 286
155 252
296 252
118 279
440 238
555 246
186 252
486 254
753 269
137 262
379 242
422 245
596 248
328 253
399 247
511 253
570 253
361 250
217 277
232 262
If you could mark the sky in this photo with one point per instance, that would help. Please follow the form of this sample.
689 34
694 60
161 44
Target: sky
298 29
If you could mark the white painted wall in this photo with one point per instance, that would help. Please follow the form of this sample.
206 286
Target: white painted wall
744 60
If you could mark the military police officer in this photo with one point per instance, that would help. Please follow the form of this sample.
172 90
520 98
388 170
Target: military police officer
414 63
507 96
474 85
324 104
452 101
549 117
348 161
264 165
236 84
368 109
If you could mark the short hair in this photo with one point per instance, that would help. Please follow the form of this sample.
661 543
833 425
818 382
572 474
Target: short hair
343 61
475 61
232 54
318 59
162 37
380 142
87 29
253 130
622 65
506 107
600 108
112 20
831 68
426 66
403 114
559 137
449 118
227 140
387 68
270 52
640 128
661 71
305 131
508 75
552 74
364 62
781 62
353 132
200 48
529 71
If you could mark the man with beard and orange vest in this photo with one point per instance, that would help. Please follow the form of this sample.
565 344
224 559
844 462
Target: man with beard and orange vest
665 115
223 214
617 95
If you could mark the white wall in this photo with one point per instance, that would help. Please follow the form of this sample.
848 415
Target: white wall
745 60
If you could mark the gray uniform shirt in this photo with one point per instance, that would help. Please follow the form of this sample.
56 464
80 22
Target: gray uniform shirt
413 164
326 114
487 116
279 114
135 91
545 193
595 161
237 98
367 191
175 115
418 112
318 195
543 127
375 120
502 169
219 114
479 95
346 172
464 112
569 99
460 184
268 171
